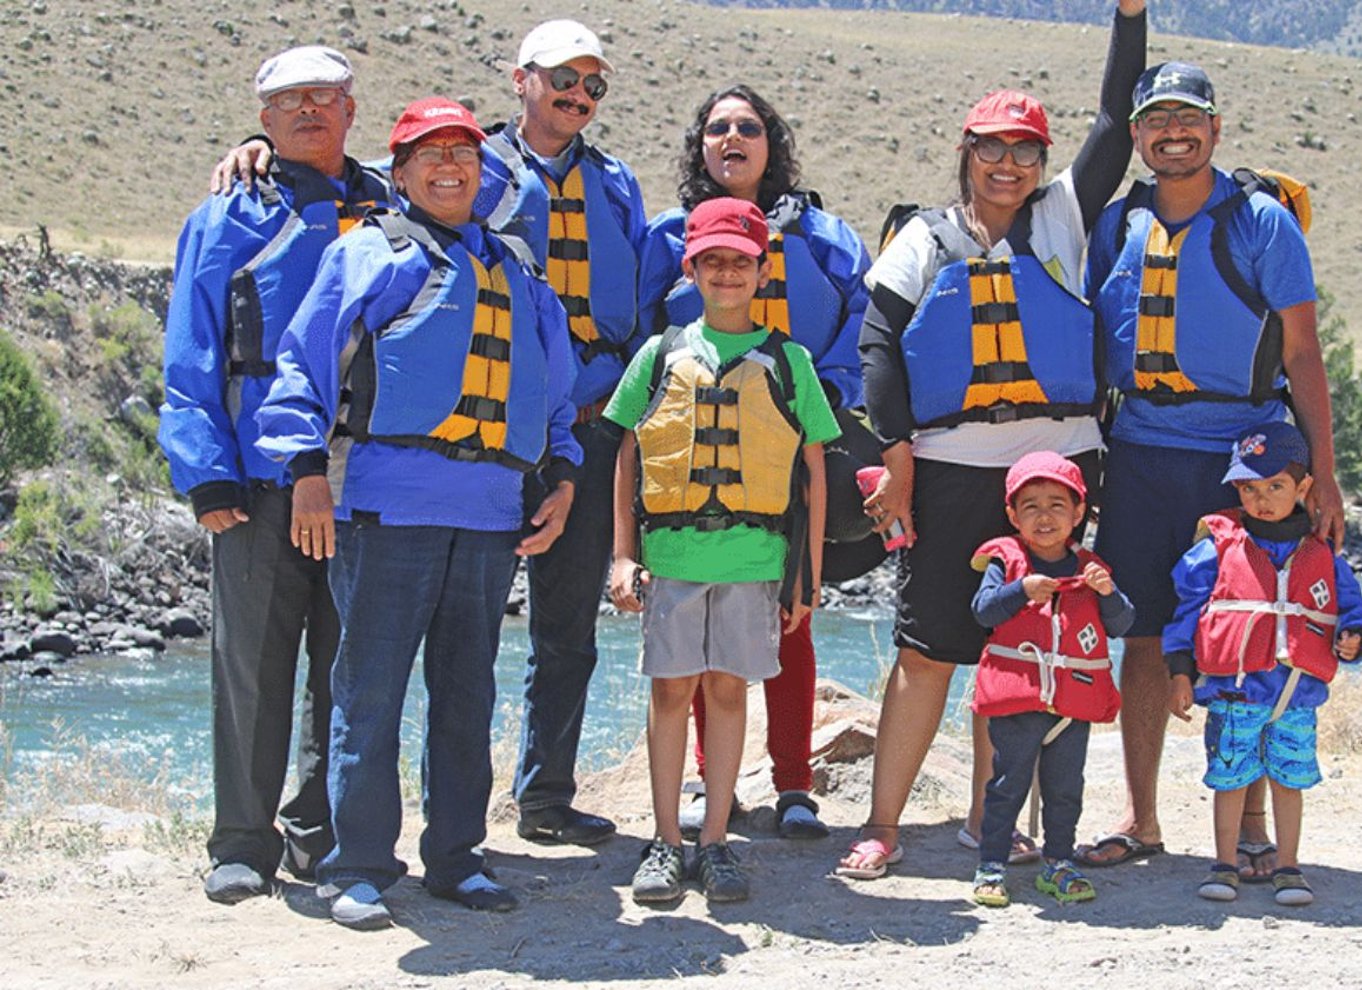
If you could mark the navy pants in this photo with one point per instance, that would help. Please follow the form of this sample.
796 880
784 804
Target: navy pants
1016 744
565 597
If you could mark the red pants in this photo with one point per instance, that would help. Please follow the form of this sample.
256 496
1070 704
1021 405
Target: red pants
789 713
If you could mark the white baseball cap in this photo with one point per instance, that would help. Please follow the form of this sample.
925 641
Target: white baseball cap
555 42
308 65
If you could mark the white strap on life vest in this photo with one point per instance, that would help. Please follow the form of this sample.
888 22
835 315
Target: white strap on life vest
1048 662
1280 609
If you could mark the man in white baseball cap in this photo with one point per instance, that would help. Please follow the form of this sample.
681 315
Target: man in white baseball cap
589 232
244 263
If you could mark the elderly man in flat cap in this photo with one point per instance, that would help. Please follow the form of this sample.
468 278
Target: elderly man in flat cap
243 265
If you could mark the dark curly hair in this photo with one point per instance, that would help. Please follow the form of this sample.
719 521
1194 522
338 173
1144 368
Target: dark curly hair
782 168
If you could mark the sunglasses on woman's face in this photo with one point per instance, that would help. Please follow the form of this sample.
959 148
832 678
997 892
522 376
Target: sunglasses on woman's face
991 151
563 77
747 127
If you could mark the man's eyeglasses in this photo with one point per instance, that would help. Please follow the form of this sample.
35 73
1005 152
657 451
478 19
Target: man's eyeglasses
291 99
991 150
434 154
563 77
1186 117
747 127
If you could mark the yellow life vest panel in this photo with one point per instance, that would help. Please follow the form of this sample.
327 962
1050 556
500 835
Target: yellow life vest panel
770 307
569 260
1156 362
718 447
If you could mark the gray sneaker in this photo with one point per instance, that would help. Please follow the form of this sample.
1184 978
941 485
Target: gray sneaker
693 818
231 883
720 875
658 877
361 907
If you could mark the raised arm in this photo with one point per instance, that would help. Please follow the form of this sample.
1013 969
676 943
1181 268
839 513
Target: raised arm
1101 162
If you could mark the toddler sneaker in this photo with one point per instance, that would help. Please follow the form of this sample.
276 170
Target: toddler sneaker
990 885
1064 882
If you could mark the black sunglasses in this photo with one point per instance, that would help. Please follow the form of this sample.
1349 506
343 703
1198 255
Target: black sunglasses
991 150
563 77
747 127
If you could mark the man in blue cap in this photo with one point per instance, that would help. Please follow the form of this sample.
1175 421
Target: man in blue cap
1205 288
244 262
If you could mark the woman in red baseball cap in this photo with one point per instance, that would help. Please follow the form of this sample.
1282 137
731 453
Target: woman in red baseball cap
738 146
425 373
977 348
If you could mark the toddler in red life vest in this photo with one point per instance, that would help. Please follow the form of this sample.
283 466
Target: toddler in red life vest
1265 612
1045 673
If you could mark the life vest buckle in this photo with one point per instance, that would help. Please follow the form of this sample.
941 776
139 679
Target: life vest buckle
716 476
1004 412
1157 306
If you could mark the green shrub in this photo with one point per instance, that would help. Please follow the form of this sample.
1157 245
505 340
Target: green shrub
29 429
1345 393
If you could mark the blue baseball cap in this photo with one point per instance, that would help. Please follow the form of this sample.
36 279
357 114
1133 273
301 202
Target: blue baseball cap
1176 81
1267 450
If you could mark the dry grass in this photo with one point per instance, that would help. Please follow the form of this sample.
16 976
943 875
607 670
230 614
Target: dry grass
1340 724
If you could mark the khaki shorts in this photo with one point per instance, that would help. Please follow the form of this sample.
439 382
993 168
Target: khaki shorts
690 628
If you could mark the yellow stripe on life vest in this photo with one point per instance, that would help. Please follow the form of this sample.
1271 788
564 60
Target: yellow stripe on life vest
998 343
770 306
351 215
1156 335
568 268
484 377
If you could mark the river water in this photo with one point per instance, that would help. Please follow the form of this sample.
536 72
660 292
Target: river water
152 716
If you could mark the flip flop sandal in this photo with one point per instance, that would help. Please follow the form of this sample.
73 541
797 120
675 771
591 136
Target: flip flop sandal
1065 883
1253 852
1221 884
1023 846
990 885
1290 888
870 847
1131 849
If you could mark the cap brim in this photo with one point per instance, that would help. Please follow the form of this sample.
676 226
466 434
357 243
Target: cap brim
1190 101
476 133
1241 472
743 245
1011 128
560 56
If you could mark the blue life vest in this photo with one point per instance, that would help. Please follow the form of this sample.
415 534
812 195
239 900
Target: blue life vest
511 198
462 371
266 291
799 300
1183 323
997 340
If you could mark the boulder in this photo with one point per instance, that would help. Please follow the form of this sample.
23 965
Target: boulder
53 640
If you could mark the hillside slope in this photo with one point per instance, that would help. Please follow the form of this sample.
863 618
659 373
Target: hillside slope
112 115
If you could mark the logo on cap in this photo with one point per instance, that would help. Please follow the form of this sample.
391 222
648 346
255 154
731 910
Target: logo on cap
1016 110
1252 446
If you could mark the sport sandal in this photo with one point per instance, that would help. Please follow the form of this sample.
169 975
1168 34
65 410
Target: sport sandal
720 876
1221 883
1064 882
1290 888
659 875
990 885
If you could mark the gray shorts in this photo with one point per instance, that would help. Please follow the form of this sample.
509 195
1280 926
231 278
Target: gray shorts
690 628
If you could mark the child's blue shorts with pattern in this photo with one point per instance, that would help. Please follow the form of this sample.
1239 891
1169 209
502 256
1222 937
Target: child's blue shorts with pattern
1242 745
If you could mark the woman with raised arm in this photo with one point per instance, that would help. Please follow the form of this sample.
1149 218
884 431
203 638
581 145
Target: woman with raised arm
977 348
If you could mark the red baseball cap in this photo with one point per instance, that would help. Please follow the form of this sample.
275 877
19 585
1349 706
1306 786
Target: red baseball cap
434 113
1045 465
726 223
1009 111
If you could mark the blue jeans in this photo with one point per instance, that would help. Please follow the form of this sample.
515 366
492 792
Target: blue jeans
394 586
565 597
1016 744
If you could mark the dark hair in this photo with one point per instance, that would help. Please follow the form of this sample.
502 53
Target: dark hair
782 168
962 170
1296 471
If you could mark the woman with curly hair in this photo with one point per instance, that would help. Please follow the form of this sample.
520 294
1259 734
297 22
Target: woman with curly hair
738 146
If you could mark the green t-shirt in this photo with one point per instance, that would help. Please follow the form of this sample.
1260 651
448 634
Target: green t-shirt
743 553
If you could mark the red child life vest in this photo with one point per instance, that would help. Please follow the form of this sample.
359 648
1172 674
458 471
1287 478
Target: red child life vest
1234 636
1051 656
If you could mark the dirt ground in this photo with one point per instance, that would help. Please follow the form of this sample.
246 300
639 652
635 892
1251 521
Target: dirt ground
94 897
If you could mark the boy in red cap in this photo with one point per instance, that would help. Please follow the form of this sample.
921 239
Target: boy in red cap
723 414
1045 673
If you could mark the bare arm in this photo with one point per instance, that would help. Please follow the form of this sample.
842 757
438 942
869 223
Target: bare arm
626 567
1304 364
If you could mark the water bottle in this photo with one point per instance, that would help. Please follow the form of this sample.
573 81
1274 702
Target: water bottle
868 479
